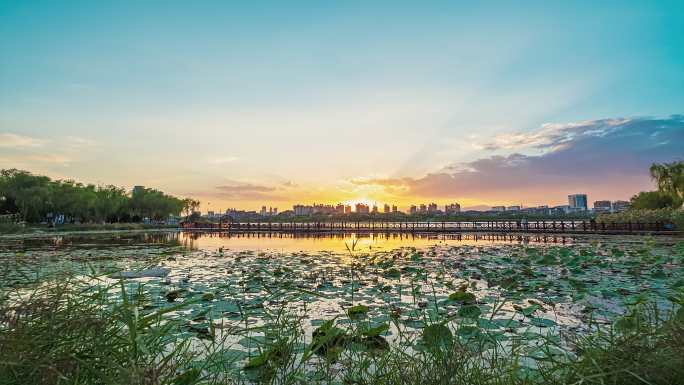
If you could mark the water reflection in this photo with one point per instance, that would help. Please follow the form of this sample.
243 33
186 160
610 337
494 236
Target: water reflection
360 242
276 241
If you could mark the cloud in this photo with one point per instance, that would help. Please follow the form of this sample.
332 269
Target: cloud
554 136
602 157
79 143
247 191
223 160
10 140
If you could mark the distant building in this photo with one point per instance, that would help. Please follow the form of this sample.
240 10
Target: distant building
347 209
301 210
619 206
513 208
564 209
323 209
453 208
432 208
239 215
375 209
413 210
499 208
423 209
137 190
263 211
339 209
578 201
603 206
386 209
362 208
394 209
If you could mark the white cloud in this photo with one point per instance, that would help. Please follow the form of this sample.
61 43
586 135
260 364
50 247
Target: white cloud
80 143
10 140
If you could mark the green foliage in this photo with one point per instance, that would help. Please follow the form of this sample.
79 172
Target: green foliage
34 197
653 200
670 179
666 216
663 205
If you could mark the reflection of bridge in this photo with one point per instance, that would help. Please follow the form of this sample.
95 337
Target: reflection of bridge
546 226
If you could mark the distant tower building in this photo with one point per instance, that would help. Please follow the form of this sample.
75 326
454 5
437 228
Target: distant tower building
263 211
453 208
432 208
413 210
347 209
499 208
339 209
619 206
362 209
375 209
578 201
386 209
603 206
394 208
513 208
423 209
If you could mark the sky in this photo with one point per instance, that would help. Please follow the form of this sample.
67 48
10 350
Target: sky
244 104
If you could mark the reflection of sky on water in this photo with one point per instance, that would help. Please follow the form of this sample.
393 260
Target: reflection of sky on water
360 242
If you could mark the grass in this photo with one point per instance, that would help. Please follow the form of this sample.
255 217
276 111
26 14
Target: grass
66 331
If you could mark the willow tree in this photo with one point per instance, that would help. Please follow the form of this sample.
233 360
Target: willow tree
670 178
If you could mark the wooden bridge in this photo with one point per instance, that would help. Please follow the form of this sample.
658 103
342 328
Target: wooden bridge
506 226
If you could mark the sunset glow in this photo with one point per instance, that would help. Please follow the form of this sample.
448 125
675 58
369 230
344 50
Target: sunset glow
288 104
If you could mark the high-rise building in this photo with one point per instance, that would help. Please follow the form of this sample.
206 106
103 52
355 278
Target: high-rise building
499 208
302 210
453 208
432 208
263 211
347 209
339 209
323 209
603 206
386 209
619 206
375 209
394 208
513 208
413 210
423 209
362 208
137 190
578 201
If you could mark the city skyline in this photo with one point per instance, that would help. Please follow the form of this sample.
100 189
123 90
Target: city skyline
284 103
583 204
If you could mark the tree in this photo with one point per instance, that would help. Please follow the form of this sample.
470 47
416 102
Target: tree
34 197
670 179
652 200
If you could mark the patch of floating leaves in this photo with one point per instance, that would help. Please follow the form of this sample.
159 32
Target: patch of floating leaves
423 298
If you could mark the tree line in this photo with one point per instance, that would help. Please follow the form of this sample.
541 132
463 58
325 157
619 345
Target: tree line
669 179
37 198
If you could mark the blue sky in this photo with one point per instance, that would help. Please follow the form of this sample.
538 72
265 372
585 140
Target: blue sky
305 99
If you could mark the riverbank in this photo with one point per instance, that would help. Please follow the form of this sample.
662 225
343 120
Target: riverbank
7 229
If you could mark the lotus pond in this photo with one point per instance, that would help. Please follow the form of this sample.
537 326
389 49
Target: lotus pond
348 309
